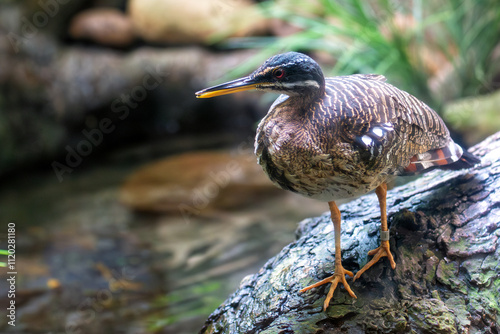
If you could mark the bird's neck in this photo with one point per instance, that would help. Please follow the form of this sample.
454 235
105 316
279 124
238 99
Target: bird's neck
305 98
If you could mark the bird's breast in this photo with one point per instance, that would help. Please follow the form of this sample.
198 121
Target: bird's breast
305 152
296 160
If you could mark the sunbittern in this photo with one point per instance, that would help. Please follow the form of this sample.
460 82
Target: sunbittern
342 137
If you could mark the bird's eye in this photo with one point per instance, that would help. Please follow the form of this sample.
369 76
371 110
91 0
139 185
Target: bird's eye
279 73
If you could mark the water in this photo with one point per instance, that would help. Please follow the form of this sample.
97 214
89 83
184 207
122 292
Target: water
86 263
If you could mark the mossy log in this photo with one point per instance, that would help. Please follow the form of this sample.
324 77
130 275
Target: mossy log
445 229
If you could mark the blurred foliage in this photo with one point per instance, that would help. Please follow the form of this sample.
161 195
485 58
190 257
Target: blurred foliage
437 50
6 253
475 117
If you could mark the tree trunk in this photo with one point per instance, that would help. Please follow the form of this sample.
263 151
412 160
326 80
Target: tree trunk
445 229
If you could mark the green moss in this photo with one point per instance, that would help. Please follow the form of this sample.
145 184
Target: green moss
388 320
447 274
486 300
435 295
339 311
411 263
295 327
428 254
431 316
405 291
457 304
430 267
490 262
481 272
461 246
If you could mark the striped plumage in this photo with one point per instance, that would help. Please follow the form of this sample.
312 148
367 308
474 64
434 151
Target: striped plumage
358 133
341 137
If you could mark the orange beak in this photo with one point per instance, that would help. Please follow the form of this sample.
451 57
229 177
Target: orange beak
230 87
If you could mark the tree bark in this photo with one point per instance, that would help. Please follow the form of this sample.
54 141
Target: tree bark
445 229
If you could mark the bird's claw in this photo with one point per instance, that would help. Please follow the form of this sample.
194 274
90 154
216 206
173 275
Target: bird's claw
378 253
335 279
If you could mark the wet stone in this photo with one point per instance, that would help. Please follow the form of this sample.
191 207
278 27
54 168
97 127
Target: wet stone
430 268
408 220
476 210
459 308
197 182
474 238
105 26
455 257
447 273
439 320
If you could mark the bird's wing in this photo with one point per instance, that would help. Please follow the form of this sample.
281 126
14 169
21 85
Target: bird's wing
382 120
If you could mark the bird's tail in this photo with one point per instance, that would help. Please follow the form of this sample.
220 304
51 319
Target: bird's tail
467 160
450 157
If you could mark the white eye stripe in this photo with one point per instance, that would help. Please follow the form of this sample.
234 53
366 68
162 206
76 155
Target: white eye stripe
291 85
306 83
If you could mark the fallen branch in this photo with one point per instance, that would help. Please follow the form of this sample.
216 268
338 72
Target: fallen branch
445 230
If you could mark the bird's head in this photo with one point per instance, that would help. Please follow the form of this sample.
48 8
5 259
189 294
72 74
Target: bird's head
290 73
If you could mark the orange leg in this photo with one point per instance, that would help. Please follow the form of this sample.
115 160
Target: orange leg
340 272
384 248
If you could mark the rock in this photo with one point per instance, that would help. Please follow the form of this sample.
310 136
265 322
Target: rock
84 80
50 95
106 26
191 21
197 182
49 16
446 248
87 79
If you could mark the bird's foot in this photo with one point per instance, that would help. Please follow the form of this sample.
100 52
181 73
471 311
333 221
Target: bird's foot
381 251
339 276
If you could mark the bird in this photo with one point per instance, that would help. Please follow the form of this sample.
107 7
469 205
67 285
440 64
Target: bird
341 137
